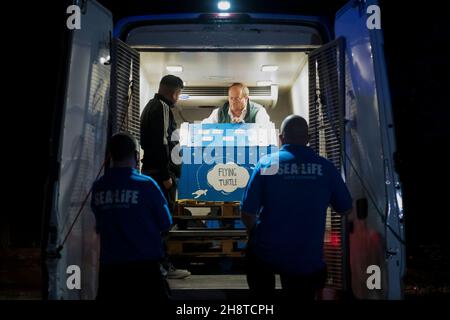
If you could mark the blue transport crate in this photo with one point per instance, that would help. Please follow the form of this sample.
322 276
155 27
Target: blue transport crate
218 159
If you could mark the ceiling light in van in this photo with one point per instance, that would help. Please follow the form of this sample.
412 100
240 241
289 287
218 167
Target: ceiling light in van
224 5
264 83
269 68
221 78
174 68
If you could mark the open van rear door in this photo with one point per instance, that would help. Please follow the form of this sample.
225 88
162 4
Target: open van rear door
125 85
326 110
377 237
101 99
81 135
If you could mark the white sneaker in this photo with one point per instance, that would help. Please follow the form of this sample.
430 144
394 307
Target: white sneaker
174 273
163 271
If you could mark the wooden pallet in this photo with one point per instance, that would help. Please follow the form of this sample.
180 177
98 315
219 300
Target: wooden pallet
227 209
207 248
225 212
205 242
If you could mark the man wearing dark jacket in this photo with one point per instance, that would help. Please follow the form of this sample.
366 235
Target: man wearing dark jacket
157 126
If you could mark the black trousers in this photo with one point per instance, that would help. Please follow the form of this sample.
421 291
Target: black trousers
133 281
169 194
261 281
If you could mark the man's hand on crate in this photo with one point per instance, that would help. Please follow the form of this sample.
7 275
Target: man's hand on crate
168 183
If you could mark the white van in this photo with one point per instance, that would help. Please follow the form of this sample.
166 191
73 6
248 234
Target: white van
332 75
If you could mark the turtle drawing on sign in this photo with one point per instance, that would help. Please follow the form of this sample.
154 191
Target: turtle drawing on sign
199 193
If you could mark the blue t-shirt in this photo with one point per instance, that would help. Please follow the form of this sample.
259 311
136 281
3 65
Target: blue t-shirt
289 192
130 212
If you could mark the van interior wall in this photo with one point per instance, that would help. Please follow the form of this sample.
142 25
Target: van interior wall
283 107
147 88
300 92
191 115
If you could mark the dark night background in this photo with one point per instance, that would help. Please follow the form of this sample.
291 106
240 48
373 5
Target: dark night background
416 41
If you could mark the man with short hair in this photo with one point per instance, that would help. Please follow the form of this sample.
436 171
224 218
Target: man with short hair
157 127
285 213
130 212
239 108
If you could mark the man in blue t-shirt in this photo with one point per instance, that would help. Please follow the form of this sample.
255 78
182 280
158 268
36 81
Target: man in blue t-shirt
130 212
284 210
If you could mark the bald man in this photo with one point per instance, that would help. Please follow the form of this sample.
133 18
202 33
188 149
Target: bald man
285 212
239 108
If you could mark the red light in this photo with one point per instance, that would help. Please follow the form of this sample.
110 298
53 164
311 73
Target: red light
335 240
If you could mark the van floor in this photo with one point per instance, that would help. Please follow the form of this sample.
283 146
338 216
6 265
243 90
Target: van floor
211 287
211 279
222 287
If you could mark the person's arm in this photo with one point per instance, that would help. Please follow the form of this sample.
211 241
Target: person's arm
249 221
159 207
252 200
262 117
341 200
213 117
94 207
